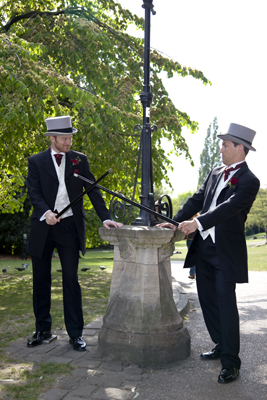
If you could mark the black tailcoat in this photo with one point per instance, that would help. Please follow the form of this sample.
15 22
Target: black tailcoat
220 265
228 217
42 183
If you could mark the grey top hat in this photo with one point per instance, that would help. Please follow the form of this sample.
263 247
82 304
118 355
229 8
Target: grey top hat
239 134
59 126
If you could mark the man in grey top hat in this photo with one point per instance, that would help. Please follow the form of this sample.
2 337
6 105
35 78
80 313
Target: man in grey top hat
219 248
52 186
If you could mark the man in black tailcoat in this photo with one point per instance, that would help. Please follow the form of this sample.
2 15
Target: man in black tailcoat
219 248
52 186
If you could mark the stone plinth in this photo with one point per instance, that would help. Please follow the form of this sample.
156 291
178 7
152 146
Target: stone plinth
142 324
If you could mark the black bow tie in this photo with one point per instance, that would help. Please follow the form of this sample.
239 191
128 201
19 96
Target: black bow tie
227 171
58 158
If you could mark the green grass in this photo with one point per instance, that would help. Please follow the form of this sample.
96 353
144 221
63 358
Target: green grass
16 313
30 379
17 319
259 236
257 253
181 247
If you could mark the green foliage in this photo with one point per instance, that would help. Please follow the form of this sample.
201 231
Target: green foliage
68 57
210 156
258 212
13 227
252 230
180 200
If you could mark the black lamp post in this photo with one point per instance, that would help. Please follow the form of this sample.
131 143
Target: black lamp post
118 209
146 97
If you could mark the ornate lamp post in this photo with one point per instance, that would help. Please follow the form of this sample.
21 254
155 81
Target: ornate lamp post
118 209
146 97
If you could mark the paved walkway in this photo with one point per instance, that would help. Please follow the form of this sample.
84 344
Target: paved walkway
98 378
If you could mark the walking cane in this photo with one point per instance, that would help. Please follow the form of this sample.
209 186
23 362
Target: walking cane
78 198
120 196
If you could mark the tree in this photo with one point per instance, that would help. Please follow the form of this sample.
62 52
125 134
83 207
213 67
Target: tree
14 230
180 200
210 156
258 212
68 57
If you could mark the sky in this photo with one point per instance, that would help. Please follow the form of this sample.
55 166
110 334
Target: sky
226 40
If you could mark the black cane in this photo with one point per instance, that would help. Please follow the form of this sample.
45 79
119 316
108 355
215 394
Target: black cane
78 198
141 206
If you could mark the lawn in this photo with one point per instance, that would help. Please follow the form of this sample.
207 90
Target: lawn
16 315
17 320
257 253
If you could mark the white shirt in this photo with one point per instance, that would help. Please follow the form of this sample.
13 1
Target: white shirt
62 199
219 188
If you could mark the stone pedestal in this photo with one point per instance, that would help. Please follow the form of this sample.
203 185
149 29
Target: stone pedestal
142 324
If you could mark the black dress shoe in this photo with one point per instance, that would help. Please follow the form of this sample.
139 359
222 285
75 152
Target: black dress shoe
228 374
211 355
78 343
38 338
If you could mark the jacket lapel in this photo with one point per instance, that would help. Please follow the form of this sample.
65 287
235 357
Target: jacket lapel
213 186
237 174
241 170
48 164
68 165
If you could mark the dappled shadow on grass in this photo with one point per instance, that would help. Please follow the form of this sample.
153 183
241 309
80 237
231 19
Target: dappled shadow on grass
16 311
28 380
17 319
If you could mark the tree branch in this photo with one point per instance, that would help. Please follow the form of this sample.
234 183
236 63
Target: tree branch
71 11
31 14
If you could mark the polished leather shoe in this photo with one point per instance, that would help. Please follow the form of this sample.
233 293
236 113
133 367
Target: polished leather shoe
78 343
38 338
228 374
211 355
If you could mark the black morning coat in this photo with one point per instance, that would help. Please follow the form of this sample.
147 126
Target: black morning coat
42 183
228 218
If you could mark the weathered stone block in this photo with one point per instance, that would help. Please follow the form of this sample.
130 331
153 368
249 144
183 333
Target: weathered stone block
142 324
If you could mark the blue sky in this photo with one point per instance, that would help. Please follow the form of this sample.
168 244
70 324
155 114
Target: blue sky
227 42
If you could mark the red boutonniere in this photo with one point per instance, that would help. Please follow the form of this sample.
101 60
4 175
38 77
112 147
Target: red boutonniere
76 161
233 182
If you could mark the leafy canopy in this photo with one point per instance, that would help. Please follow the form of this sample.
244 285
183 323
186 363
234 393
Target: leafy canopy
76 58
180 200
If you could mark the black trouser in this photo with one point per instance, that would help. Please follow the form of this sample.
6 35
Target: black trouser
64 237
218 302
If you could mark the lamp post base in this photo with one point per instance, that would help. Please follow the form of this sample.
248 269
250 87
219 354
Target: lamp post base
142 324
145 349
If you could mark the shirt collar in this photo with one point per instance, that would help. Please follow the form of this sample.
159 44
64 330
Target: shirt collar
234 165
54 152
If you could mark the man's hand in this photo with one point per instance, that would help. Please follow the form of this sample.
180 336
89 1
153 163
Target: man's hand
50 218
188 227
109 223
167 225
